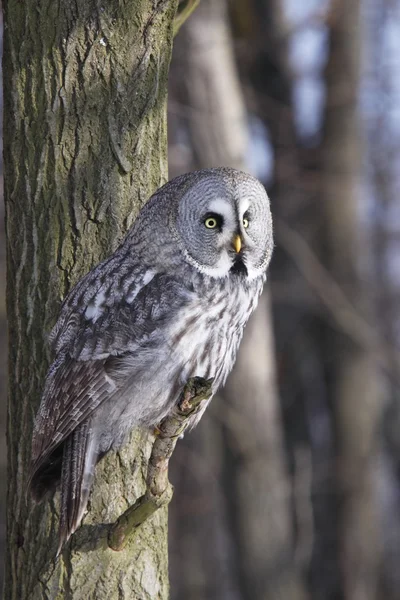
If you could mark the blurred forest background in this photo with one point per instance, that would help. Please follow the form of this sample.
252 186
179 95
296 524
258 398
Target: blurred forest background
289 489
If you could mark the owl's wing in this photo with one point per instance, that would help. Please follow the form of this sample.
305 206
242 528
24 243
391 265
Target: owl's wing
78 381
128 326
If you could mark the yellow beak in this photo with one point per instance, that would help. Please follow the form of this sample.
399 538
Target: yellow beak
237 243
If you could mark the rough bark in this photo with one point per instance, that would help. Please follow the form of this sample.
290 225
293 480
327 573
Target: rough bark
354 378
3 389
85 146
237 497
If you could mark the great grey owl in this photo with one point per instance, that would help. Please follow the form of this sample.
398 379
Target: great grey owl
169 304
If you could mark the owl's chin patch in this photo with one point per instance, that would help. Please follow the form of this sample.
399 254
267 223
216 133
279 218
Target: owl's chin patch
238 267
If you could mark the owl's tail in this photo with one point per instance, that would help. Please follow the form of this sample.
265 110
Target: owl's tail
78 463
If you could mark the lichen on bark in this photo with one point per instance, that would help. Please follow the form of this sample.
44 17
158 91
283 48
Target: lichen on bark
84 147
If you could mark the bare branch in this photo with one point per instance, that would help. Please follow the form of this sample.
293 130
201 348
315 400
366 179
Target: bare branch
348 316
185 9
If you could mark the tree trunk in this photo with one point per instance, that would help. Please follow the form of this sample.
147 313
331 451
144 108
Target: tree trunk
263 53
3 389
353 374
237 497
84 147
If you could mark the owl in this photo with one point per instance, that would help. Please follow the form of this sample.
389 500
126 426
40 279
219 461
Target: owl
169 304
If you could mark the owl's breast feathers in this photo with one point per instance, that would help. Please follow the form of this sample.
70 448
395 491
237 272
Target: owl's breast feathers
209 329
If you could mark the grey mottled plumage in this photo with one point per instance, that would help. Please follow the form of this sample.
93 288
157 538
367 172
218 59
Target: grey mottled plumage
169 304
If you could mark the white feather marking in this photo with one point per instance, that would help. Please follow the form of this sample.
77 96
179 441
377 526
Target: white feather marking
95 307
147 277
244 204
111 383
220 270
222 207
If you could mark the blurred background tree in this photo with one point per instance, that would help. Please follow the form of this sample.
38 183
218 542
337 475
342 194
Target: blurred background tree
295 492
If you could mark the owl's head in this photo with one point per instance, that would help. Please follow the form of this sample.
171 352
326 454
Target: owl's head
217 220
223 223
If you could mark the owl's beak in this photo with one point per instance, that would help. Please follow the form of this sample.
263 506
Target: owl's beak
237 243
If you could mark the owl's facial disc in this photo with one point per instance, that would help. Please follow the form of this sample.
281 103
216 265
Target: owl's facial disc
224 225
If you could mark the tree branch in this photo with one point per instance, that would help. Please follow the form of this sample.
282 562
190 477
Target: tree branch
185 9
346 314
159 491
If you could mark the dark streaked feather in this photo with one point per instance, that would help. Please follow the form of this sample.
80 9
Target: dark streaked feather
79 459
75 390
239 267
47 478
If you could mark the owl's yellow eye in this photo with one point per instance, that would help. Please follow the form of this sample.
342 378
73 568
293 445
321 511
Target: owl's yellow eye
245 223
211 223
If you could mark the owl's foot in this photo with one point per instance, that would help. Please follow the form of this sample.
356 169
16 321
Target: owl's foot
156 431
196 390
